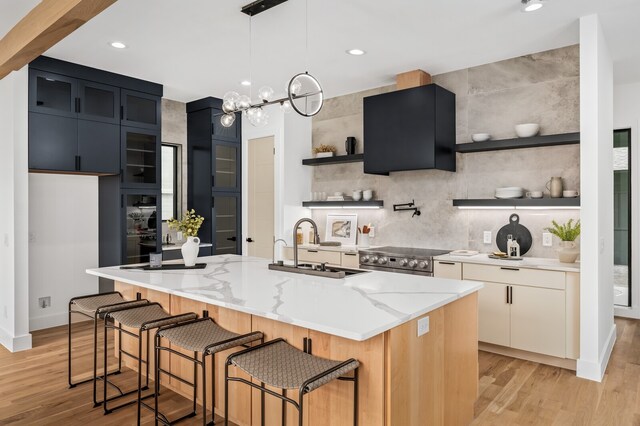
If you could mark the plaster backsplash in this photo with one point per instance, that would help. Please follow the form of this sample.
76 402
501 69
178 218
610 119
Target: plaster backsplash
542 88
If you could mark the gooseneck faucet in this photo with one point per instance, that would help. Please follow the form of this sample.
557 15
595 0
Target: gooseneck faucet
295 235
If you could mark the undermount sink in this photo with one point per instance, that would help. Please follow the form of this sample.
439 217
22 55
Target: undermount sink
308 269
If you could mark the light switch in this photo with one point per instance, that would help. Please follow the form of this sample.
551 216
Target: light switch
423 326
372 232
487 237
547 239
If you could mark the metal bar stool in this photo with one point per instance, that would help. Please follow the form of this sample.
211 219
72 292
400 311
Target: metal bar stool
143 318
202 336
93 306
278 364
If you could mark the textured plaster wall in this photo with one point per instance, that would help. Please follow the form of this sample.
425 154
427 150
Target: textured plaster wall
492 98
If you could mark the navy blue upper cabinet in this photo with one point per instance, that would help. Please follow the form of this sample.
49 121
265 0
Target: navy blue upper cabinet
231 133
51 93
140 157
225 166
140 110
53 142
98 147
410 129
98 102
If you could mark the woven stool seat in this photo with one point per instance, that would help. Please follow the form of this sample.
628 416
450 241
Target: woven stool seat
90 305
151 315
285 367
199 336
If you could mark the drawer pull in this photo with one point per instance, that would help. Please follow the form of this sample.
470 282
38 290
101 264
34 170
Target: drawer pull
509 269
312 251
446 263
351 254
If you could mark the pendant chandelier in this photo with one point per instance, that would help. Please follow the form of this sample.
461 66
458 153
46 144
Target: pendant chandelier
303 94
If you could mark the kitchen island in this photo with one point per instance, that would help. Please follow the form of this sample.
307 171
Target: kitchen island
405 379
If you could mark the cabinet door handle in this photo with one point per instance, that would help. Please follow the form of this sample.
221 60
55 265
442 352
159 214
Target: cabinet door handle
312 251
305 344
121 112
507 291
232 239
77 104
351 254
509 269
446 263
77 163
511 295
213 181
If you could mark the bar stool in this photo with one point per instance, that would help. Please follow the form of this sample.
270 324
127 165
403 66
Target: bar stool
278 364
144 319
93 306
202 336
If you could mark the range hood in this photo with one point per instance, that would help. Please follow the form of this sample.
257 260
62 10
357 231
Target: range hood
410 129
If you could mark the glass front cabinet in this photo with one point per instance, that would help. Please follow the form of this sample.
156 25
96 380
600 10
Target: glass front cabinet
140 158
225 218
141 213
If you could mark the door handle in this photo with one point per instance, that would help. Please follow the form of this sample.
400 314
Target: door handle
249 240
232 239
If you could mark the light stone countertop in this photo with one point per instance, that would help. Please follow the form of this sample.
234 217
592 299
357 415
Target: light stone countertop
526 262
357 307
178 246
341 249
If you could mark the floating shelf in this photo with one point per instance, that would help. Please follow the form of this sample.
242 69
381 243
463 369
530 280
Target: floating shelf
371 204
518 143
336 159
519 203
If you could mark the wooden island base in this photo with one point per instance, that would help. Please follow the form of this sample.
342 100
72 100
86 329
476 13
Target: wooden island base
405 380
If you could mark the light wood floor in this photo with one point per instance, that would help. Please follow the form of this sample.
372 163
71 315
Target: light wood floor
33 389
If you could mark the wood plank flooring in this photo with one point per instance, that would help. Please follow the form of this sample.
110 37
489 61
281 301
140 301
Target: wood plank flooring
33 389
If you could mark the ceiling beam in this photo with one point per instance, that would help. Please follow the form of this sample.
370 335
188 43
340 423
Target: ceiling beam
407 80
43 27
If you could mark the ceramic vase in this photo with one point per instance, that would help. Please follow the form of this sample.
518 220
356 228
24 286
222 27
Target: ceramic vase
568 251
364 241
190 251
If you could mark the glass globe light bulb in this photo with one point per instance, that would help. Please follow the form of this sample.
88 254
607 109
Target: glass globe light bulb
265 93
285 107
227 120
228 106
230 97
243 102
295 87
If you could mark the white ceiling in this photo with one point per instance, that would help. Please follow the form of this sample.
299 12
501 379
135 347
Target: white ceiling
198 48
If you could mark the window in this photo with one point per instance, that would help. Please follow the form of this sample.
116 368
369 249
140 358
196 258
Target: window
169 155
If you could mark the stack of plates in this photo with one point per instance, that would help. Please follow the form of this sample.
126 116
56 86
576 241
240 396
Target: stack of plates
509 192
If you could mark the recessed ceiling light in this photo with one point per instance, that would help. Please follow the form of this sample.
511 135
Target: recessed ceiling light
531 5
118 45
356 52
245 83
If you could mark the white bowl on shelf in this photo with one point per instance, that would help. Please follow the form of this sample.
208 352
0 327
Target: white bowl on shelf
527 130
480 137
509 192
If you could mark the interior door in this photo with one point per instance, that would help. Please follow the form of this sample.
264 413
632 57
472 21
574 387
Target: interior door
538 320
261 197
493 314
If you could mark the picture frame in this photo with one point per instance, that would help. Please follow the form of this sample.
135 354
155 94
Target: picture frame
342 228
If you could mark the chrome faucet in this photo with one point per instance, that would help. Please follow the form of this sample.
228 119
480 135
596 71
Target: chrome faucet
295 237
279 240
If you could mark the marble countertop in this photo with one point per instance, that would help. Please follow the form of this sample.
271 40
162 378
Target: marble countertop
178 246
357 307
526 262
341 249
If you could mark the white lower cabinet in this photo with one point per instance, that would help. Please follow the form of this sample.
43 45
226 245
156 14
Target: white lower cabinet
538 320
532 310
494 324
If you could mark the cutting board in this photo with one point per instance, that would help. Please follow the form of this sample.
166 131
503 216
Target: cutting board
519 232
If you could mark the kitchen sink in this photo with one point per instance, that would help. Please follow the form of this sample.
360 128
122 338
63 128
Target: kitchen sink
316 270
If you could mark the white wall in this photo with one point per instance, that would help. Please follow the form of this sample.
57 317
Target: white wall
292 139
63 243
626 115
14 207
597 329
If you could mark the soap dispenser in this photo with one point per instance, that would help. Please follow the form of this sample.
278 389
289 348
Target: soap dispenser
515 247
509 245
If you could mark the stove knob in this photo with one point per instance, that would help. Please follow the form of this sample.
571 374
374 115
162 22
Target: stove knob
382 260
373 259
413 263
404 262
364 259
422 265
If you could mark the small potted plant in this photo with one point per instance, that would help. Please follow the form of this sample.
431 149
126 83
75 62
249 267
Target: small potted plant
189 226
568 251
325 151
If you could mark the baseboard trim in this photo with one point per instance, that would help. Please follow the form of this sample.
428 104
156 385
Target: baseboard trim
569 364
595 370
49 321
15 343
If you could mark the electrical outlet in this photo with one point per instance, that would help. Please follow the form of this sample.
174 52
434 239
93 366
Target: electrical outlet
372 232
423 326
44 302
547 240
487 237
